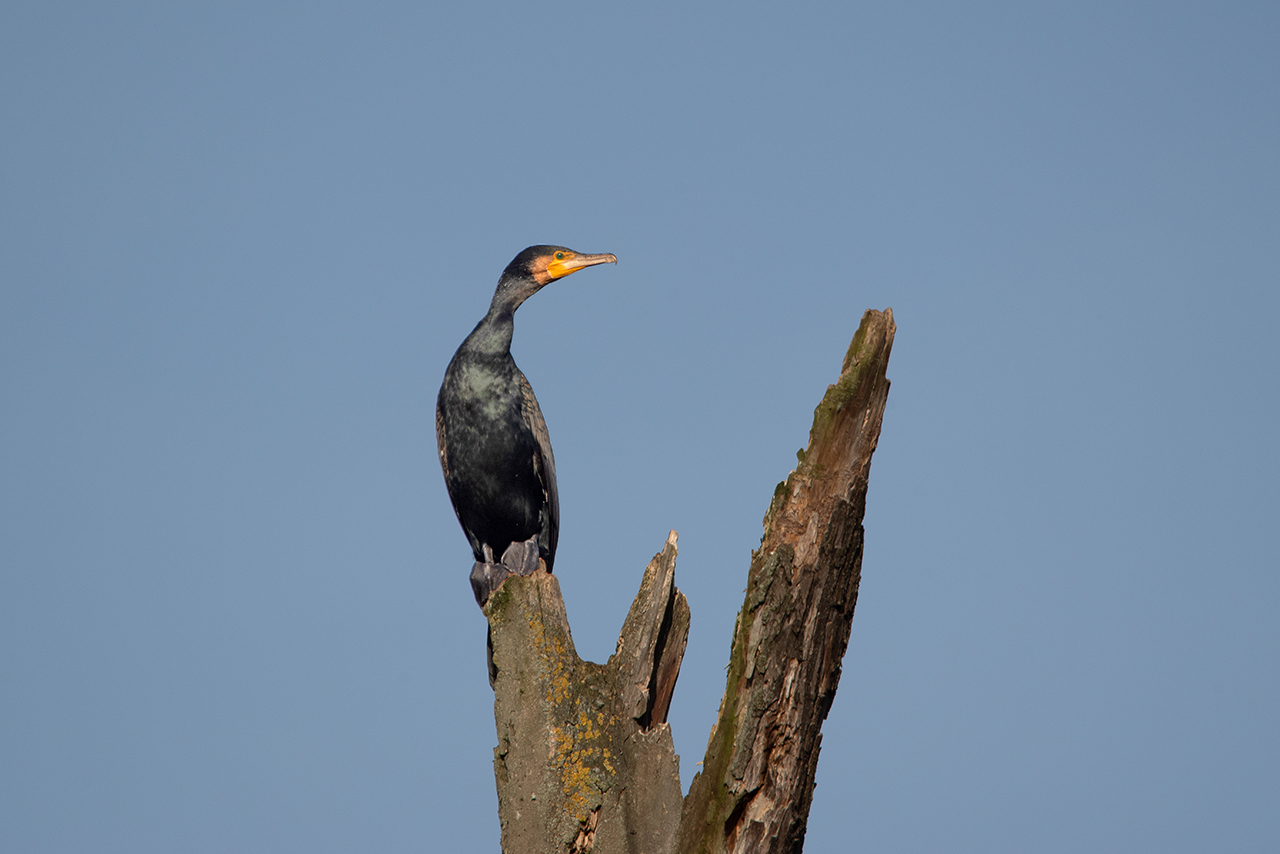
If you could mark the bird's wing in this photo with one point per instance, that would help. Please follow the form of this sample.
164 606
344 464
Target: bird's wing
440 443
544 463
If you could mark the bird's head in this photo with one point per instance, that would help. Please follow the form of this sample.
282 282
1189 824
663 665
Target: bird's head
538 266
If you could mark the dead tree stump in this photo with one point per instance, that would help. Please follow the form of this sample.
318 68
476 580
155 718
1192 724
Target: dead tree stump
585 761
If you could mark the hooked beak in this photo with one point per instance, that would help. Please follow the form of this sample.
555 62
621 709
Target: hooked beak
558 269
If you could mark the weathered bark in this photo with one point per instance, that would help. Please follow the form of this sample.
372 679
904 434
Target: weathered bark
756 785
585 761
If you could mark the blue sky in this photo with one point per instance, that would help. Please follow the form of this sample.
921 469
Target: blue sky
239 243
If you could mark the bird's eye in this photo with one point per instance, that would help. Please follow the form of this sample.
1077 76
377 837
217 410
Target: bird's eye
559 256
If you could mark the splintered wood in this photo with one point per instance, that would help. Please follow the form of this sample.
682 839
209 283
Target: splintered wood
585 762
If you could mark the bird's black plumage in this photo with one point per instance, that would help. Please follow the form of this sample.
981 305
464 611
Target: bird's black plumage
492 438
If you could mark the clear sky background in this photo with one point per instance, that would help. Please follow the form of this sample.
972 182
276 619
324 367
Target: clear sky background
239 243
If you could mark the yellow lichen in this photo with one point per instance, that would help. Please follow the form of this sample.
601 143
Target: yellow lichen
552 653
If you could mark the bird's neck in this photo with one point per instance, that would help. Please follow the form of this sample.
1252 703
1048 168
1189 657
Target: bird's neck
492 335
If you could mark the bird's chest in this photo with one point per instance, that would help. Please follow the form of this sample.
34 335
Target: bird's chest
485 417
487 396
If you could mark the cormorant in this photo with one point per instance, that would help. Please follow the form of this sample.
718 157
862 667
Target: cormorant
493 442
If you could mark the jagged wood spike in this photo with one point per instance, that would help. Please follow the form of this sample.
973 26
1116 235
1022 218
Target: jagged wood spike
754 791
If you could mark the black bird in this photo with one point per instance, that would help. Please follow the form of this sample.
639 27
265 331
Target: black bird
493 441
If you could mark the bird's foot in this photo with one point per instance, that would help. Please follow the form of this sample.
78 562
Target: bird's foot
486 577
521 558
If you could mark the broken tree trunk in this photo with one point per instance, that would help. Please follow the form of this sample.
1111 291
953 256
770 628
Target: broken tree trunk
757 780
585 761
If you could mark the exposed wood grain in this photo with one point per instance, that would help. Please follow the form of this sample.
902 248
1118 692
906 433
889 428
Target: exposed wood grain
756 786
585 761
